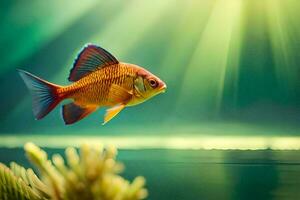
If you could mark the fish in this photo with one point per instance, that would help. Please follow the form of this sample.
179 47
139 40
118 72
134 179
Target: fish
98 80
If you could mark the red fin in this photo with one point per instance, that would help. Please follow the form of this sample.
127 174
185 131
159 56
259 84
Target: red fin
91 58
72 113
44 94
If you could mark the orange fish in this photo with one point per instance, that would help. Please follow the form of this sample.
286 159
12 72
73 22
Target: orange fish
99 79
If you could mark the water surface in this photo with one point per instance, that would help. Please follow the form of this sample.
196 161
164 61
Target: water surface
205 174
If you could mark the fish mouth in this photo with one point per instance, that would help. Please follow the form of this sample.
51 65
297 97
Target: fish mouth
162 89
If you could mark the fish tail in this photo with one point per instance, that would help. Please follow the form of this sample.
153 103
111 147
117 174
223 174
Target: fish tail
45 95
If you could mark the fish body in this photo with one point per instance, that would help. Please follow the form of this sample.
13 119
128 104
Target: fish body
99 80
94 88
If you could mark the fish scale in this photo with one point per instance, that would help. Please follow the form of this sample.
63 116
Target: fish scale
94 88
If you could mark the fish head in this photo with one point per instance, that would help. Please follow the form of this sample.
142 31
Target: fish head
148 85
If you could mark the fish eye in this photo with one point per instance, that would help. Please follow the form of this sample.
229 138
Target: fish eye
153 83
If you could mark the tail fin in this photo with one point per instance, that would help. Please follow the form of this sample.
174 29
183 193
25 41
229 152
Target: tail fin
44 94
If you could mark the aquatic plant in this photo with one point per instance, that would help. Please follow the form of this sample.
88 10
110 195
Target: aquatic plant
93 174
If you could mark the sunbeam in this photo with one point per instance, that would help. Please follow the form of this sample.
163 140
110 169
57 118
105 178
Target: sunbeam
40 23
125 30
210 58
279 32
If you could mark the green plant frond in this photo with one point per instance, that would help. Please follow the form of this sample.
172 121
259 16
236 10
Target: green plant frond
50 175
13 187
30 178
38 185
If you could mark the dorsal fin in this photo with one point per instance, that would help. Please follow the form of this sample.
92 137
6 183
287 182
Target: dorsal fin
90 59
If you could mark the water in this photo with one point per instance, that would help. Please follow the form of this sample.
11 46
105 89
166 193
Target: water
232 68
206 174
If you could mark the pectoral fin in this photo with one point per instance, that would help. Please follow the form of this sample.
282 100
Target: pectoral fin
112 112
119 95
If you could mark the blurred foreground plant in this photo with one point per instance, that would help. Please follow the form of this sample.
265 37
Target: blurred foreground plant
91 175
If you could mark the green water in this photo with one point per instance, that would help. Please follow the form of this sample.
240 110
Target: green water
232 68
224 61
206 174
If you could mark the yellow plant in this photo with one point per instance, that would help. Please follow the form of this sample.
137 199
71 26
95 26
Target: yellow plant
90 175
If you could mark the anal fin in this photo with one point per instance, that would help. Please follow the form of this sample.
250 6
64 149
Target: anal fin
112 112
72 112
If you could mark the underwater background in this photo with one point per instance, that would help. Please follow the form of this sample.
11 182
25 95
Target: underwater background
228 126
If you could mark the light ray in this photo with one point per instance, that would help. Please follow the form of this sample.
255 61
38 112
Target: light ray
206 71
184 40
279 33
124 31
40 22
